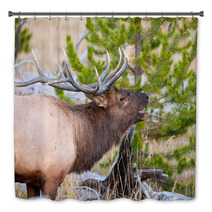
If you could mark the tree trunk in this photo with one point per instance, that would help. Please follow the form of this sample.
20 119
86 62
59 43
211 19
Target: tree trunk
138 48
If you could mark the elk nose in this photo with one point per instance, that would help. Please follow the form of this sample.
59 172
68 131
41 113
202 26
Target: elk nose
147 97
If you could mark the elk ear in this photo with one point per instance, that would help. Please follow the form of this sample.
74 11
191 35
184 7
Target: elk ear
101 100
115 88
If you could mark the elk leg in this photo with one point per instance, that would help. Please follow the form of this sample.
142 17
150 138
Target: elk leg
50 189
32 190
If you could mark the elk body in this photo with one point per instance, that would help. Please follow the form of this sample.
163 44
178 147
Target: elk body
53 138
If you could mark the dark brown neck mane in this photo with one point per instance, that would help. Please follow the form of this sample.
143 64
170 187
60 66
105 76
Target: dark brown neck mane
95 134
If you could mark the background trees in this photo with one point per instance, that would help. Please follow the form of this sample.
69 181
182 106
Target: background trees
160 65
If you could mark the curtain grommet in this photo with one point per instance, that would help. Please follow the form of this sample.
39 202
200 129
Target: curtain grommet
35 16
112 19
192 15
66 17
129 17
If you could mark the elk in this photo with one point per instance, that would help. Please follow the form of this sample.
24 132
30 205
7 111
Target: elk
54 138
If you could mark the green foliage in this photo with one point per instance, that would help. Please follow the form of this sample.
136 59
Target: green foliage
85 74
136 143
188 190
184 164
179 152
60 94
163 161
109 161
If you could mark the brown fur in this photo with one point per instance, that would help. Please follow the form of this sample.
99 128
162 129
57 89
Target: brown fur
53 138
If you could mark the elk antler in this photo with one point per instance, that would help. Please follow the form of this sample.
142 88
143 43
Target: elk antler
107 70
114 75
68 83
66 86
70 80
42 78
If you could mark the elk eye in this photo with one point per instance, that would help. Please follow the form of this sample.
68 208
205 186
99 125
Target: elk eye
122 99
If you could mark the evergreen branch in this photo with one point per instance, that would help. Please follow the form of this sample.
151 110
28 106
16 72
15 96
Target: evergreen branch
132 69
186 46
153 31
174 43
168 119
173 28
167 155
158 99
180 35
157 117
157 162
161 61
179 80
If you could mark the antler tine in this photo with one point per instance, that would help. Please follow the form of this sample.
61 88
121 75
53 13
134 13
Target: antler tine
121 71
107 86
26 83
42 79
63 80
97 77
105 72
116 69
37 64
78 86
69 83
70 80
60 70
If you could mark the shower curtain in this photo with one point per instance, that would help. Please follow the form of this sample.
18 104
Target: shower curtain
105 108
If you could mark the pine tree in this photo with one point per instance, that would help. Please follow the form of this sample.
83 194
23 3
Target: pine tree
171 83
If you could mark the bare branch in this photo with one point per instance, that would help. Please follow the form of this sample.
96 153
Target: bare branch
87 188
84 33
24 62
132 69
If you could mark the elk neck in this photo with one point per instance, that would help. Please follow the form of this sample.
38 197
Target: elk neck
96 130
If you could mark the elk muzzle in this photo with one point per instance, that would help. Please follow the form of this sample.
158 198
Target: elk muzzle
145 100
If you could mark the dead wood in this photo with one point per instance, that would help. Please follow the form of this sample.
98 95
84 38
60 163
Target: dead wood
125 180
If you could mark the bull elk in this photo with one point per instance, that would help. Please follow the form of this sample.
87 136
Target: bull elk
53 138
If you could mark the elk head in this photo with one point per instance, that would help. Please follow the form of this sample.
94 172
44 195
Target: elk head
123 105
120 102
